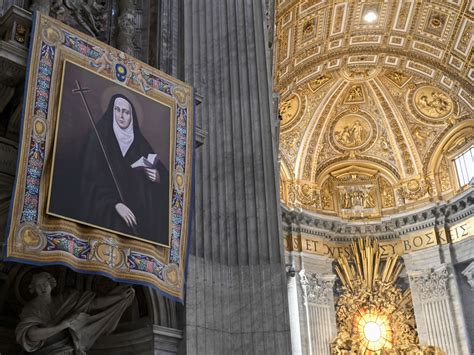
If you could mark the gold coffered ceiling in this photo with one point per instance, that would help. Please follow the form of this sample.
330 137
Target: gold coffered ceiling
372 113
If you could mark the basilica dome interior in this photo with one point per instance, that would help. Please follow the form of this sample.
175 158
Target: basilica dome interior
375 104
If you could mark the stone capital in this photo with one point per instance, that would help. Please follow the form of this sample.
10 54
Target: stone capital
318 289
469 274
431 284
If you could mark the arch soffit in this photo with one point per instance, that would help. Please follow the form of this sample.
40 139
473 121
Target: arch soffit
359 167
456 139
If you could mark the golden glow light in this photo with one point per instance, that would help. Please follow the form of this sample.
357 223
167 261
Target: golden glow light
374 330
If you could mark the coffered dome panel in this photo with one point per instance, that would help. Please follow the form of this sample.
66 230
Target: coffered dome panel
372 89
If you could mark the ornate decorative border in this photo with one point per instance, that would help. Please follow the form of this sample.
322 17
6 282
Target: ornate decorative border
32 237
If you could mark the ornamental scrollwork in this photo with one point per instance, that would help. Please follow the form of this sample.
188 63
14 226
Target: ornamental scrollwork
416 189
305 194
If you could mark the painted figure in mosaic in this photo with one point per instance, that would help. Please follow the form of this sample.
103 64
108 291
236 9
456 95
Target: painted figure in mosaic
124 183
71 322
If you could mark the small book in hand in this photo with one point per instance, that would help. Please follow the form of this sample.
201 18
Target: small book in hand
149 162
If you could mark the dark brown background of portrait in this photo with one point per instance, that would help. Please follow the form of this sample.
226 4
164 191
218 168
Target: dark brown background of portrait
74 126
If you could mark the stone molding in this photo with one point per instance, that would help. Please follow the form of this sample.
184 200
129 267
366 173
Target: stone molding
14 30
335 229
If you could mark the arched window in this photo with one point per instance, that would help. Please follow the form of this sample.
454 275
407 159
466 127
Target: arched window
465 166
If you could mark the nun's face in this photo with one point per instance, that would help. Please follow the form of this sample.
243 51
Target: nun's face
122 112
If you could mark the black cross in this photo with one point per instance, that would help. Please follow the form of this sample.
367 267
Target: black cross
79 89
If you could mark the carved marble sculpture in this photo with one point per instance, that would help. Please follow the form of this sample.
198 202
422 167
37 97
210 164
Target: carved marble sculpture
71 322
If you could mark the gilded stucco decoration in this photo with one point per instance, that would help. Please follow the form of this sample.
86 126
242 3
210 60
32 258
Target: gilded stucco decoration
431 105
444 178
352 131
289 109
432 102
373 314
384 95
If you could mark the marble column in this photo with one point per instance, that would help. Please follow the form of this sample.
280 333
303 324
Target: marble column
236 300
126 26
437 300
318 295
294 312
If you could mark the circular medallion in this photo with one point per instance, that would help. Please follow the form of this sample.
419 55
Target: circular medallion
179 178
52 36
171 274
109 254
413 185
352 131
180 95
120 72
289 109
30 237
354 108
432 102
39 127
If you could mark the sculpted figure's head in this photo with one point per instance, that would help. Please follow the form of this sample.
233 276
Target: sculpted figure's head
122 112
42 283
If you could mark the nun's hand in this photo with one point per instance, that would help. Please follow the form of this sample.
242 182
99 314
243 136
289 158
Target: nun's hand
152 175
126 214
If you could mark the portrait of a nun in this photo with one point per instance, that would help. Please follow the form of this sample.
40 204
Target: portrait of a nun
114 195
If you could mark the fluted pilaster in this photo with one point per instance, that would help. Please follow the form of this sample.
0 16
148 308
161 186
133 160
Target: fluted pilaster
236 299
437 301
318 296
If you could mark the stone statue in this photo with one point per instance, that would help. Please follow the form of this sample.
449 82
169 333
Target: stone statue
127 21
71 322
369 201
90 15
43 6
347 200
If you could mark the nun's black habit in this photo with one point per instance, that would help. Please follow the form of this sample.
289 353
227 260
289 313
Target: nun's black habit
146 199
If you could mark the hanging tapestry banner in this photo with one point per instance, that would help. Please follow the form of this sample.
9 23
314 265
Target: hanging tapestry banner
105 170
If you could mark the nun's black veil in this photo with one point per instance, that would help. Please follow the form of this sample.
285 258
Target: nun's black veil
99 190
